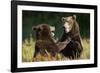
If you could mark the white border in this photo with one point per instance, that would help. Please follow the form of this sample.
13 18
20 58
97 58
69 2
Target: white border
53 63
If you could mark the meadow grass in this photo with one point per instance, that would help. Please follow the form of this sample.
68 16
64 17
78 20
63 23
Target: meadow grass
86 49
28 49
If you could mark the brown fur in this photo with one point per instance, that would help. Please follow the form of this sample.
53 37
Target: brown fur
44 40
74 48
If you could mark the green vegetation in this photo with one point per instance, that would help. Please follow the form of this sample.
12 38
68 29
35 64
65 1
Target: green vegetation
32 18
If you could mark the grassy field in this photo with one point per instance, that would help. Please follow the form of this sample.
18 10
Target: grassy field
28 50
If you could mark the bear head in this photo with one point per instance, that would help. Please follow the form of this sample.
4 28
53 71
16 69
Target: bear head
43 31
70 23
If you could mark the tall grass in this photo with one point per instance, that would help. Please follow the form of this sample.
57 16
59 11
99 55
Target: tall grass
28 49
86 49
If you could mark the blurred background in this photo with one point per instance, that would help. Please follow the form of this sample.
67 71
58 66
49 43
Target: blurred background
31 18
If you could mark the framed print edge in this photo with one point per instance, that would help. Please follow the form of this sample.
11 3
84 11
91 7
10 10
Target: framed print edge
13 36
14 33
96 35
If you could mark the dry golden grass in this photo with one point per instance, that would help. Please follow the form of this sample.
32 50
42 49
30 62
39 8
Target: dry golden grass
86 49
28 49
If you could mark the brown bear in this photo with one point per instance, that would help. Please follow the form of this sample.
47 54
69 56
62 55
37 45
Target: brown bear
44 40
74 48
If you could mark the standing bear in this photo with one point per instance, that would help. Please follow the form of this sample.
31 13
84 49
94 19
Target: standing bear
74 48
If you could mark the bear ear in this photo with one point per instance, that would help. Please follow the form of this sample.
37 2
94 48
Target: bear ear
74 17
34 27
63 19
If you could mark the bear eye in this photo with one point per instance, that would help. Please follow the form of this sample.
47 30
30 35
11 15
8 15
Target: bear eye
67 21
